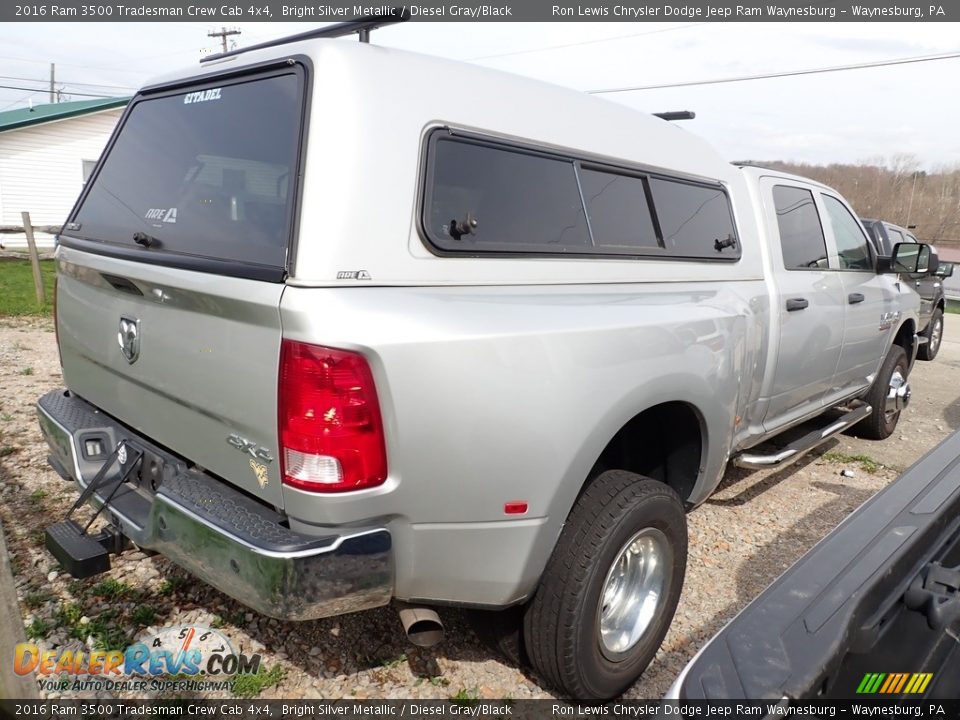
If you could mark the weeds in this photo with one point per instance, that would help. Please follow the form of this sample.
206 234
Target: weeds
464 695
252 684
144 615
112 589
38 629
866 463
26 371
34 600
68 615
238 618
171 584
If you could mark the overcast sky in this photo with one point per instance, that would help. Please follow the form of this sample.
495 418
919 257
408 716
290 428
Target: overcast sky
850 116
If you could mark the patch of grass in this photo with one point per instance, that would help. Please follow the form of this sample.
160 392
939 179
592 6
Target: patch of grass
112 589
38 629
106 636
217 622
26 371
466 696
6 417
252 684
17 294
953 306
866 463
7 450
68 614
144 615
378 659
32 601
172 584
237 618
439 681
77 588
394 662
37 496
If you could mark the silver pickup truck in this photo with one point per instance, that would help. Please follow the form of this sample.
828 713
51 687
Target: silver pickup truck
341 325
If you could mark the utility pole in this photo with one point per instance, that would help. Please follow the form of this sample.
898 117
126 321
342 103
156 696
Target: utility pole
223 36
53 90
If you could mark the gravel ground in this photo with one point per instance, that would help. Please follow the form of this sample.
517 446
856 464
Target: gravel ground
753 528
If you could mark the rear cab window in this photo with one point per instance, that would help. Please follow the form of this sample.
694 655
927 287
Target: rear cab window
201 177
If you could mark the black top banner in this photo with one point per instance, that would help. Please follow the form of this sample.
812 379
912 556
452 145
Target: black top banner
509 11
477 709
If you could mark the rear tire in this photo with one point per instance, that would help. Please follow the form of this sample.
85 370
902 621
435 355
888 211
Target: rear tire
882 421
934 336
611 587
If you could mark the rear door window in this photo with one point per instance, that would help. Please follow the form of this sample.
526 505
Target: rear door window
801 235
206 172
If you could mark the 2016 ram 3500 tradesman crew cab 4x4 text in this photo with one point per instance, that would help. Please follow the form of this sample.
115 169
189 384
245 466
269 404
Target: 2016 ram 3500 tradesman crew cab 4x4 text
381 344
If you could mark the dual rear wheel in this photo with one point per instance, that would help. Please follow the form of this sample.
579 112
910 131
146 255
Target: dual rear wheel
608 593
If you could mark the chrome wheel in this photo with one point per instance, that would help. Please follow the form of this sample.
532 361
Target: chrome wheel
936 334
633 591
898 394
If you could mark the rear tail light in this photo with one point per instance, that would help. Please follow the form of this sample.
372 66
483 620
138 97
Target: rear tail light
331 432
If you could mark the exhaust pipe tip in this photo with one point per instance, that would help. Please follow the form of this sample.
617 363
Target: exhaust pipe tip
422 626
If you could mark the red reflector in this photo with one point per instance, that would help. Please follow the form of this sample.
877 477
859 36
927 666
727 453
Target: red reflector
331 433
514 508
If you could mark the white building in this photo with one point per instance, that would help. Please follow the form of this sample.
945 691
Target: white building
46 154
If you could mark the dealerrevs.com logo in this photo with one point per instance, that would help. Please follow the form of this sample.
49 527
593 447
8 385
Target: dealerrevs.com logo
183 657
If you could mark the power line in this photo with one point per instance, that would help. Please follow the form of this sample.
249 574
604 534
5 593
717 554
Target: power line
583 42
40 90
69 82
20 100
82 67
787 73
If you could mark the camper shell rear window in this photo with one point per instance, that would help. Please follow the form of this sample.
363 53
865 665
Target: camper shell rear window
489 197
201 176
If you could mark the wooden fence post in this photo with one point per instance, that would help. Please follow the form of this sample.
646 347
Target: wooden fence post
34 258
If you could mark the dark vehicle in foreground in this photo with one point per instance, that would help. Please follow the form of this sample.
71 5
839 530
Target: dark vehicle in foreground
928 285
870 612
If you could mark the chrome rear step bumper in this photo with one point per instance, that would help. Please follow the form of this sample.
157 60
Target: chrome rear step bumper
224 537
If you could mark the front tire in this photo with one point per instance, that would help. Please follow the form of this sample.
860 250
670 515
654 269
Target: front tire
934 336
888 396
611 587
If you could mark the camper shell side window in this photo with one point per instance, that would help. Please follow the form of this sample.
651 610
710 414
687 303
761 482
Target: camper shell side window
488 197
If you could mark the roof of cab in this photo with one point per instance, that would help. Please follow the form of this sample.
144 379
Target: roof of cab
758 170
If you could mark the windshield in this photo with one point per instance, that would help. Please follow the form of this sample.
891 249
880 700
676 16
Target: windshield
204 172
